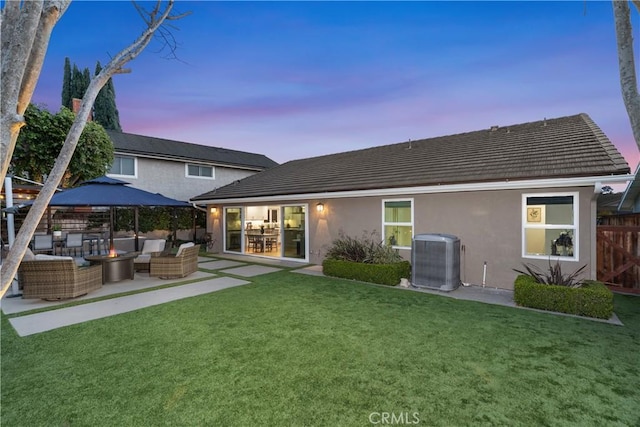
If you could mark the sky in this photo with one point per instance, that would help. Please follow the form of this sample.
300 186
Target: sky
300 79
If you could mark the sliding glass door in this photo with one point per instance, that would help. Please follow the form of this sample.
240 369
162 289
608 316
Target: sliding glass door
233 229
269 231
294 231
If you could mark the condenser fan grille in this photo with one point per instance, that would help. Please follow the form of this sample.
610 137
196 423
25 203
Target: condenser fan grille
436 261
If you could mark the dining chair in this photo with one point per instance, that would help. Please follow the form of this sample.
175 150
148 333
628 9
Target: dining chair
271 242
255 242
43 243
74 241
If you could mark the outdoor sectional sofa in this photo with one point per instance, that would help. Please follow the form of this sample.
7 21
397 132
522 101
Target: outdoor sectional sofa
54 279
182 264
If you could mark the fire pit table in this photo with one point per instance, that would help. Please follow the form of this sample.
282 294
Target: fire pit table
114 268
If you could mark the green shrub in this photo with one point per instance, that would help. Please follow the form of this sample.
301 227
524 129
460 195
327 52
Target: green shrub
592 299
368 249
384 274
554 275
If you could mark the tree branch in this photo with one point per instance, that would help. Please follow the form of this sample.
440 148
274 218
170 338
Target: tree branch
626 63
10 266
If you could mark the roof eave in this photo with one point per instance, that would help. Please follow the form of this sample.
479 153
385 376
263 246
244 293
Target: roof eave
430 189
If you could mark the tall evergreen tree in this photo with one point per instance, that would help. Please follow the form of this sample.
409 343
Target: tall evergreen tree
104 110
66 84
77 83
86 79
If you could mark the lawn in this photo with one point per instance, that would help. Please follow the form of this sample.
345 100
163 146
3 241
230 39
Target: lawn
299 350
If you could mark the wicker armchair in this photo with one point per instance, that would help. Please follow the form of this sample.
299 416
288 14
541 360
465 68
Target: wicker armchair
149 248
57 279
182 264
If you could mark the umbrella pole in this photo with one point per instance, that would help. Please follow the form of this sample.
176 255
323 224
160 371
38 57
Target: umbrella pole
136 227
111 227
194 214
175 225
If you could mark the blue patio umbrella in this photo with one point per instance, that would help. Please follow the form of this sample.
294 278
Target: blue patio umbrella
105 191
110 192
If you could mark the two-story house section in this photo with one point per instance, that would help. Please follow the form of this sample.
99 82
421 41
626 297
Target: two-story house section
179 170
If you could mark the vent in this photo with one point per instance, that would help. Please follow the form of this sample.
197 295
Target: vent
435 260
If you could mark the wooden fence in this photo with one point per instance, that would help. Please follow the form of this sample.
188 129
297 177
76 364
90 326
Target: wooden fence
618 250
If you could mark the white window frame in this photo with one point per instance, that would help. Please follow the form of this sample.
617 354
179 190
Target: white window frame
135 167
187 175
411 224
575 227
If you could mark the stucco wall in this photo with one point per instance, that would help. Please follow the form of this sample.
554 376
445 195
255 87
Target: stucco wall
488 223
168 178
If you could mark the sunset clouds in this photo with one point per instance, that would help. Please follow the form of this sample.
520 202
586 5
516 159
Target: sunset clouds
299 79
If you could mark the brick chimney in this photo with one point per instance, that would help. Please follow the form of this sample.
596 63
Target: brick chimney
76 107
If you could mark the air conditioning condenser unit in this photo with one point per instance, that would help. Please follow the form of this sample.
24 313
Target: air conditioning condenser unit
435 261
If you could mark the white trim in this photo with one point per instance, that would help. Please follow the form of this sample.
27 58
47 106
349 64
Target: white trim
451 188
575 226
210 178
410 224
135 167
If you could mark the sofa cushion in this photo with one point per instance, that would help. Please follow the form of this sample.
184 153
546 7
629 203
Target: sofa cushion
156 245
142 259
52 257
183 247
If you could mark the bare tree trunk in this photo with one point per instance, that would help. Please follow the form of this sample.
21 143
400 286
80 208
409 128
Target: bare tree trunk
26 30
154 20
628 78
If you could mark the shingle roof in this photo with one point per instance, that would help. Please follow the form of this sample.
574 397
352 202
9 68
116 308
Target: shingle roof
565 147
128 143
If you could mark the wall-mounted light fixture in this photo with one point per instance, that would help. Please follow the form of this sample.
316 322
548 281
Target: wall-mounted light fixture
320 207
214 210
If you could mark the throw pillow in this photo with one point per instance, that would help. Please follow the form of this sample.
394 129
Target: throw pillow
184 246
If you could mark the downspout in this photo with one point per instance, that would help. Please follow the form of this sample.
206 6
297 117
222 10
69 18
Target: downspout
597 190
198 207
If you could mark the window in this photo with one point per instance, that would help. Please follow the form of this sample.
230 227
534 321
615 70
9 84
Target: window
397 222
123 165
550 226
199 171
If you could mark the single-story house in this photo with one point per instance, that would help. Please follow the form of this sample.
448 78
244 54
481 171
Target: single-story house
524 193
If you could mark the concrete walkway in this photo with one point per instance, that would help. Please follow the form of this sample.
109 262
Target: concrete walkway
53 319
142 281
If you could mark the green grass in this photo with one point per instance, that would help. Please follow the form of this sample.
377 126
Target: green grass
301 350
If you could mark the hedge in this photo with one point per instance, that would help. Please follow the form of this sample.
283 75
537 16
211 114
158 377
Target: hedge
593 299
384 274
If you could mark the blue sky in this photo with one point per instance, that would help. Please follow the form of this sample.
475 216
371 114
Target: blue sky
300 79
